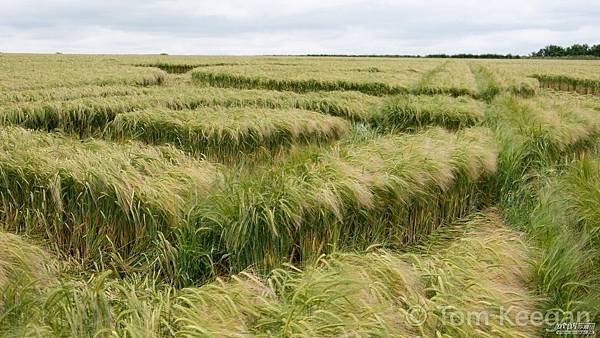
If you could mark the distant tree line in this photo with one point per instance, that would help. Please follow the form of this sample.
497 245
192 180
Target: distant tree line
358 55
576 50
475 56
459 56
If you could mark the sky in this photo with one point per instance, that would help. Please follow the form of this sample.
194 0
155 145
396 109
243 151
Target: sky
238 27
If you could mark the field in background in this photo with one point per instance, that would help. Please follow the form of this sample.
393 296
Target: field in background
296 196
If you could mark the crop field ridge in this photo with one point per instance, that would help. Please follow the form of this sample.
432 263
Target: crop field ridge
90 116
300 86
411 112
181 68
66 189
227 132
567 83
390 188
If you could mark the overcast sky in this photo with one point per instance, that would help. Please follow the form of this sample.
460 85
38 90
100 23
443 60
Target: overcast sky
295 27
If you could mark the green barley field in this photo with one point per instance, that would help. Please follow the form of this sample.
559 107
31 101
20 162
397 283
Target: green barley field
180 196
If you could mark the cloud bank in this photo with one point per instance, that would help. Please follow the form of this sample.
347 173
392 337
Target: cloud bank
235 27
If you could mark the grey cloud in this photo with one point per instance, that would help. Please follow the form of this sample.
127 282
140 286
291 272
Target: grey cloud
267 27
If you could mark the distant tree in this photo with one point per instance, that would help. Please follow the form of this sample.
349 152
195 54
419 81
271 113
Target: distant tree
553 51
577 50
475 56
538 54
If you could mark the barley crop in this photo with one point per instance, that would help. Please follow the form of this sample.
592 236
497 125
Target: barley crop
450 78
94 197
227 132
413 112
390 188
183 196
472 266
477 267
90 116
